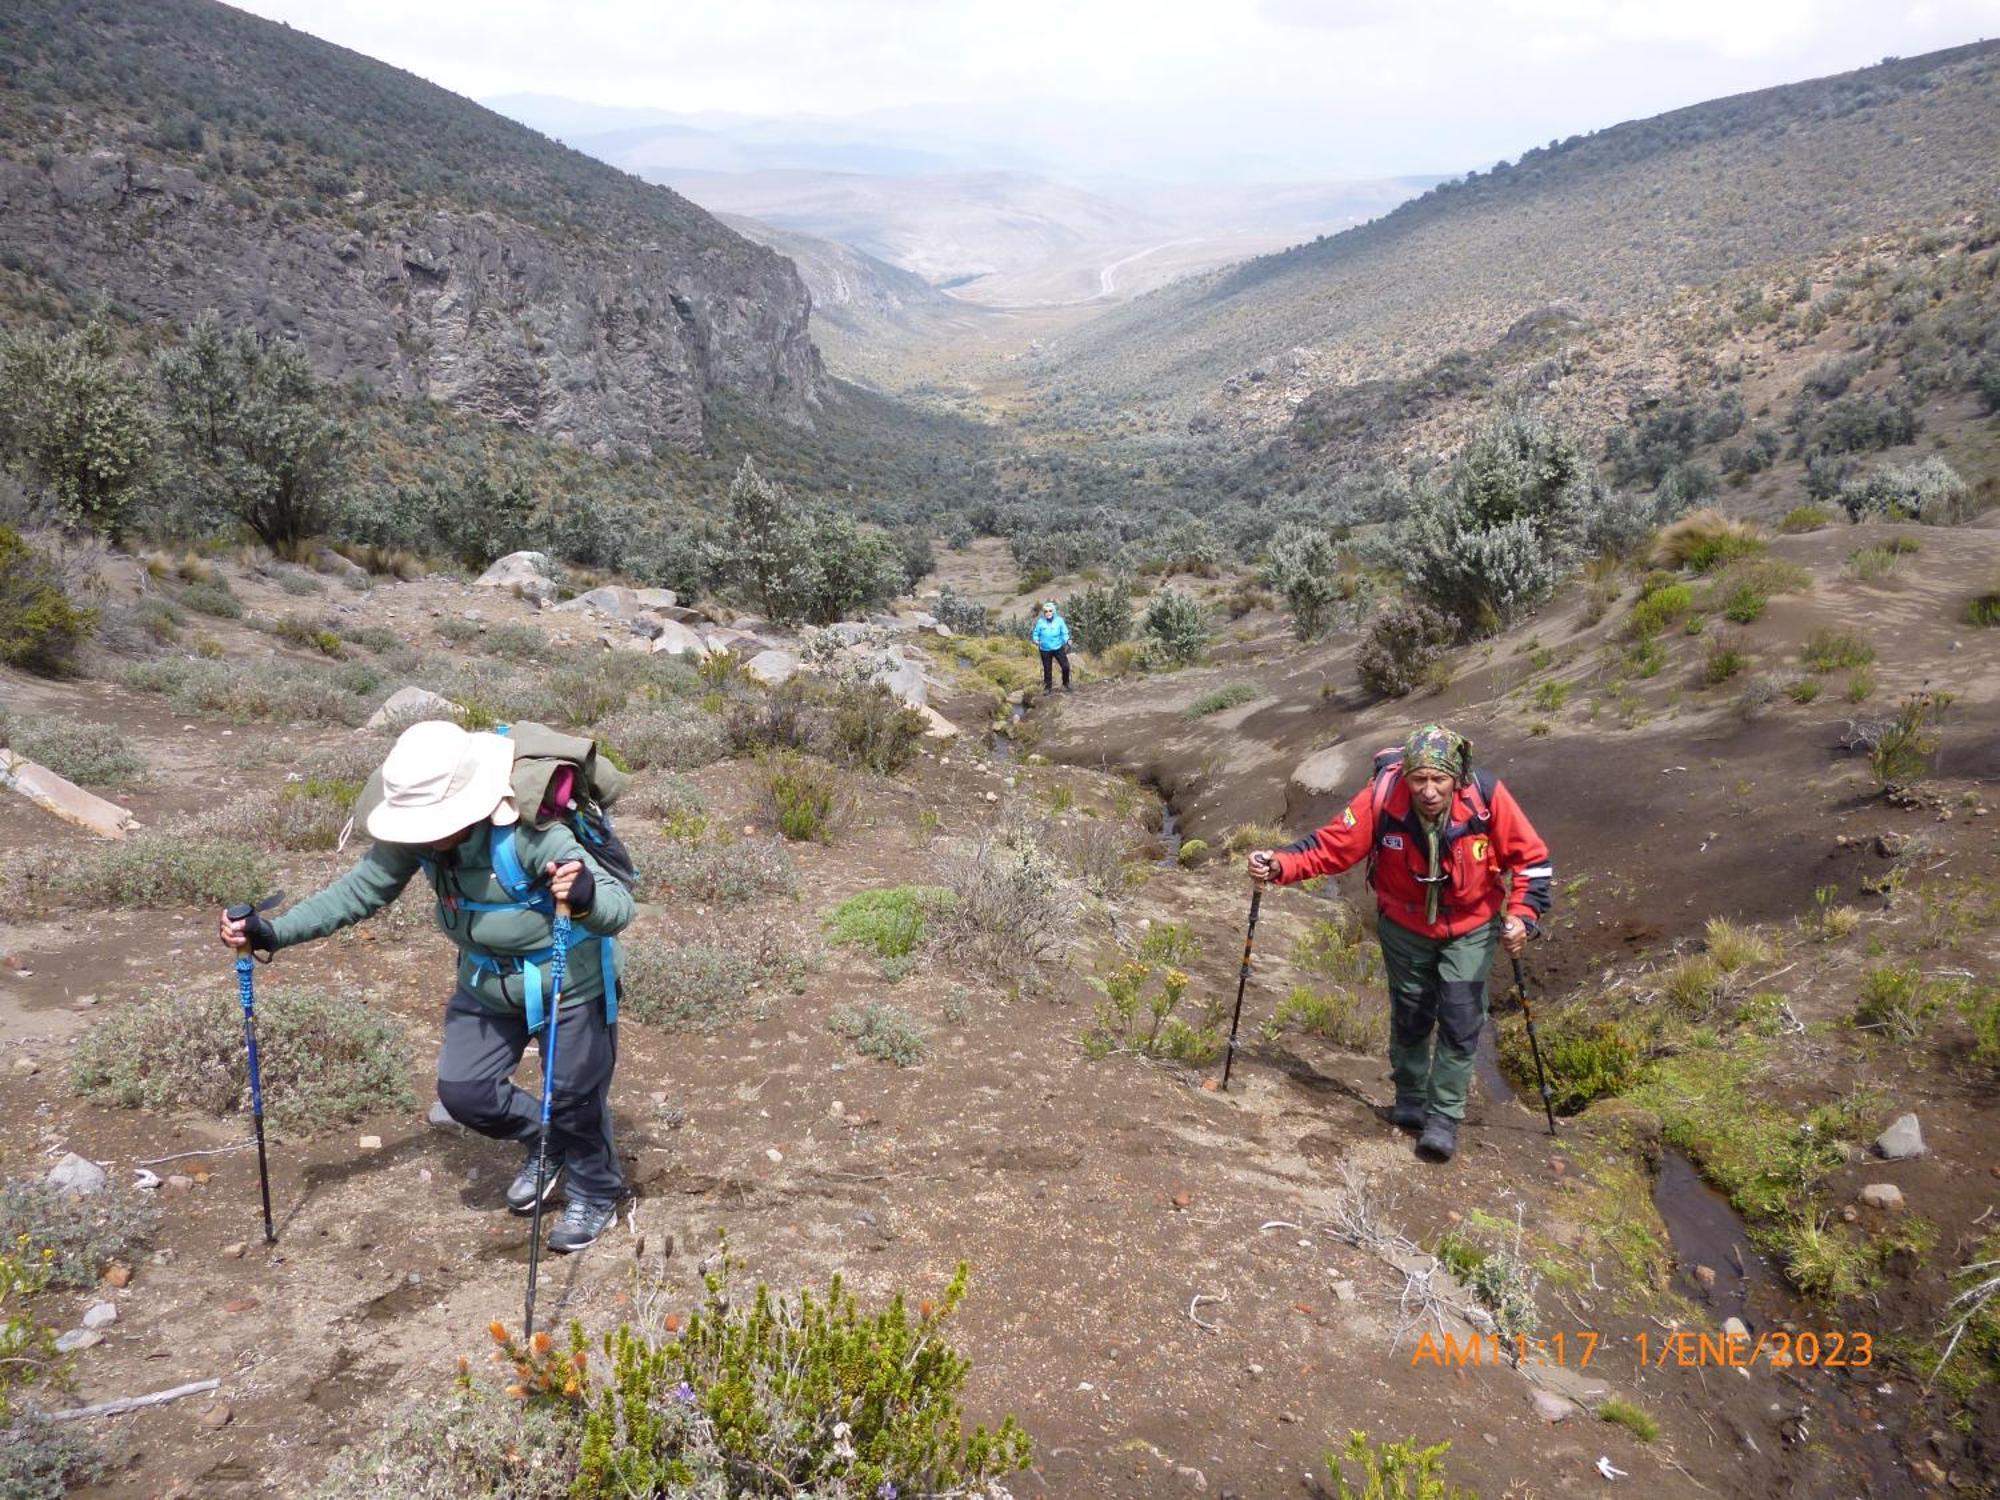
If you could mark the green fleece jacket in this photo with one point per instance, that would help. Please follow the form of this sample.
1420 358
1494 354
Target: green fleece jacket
466 874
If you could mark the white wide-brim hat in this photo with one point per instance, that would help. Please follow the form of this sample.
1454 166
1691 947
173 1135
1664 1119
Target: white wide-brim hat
438 779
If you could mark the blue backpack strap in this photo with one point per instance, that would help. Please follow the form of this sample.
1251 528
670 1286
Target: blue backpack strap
531 994
608 957
509 871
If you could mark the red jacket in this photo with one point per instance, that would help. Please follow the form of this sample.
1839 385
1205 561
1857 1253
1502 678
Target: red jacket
1486 836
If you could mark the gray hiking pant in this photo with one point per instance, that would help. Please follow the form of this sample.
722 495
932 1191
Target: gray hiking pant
480 1052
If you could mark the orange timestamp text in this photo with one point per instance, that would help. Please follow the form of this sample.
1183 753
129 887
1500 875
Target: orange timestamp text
1675 1349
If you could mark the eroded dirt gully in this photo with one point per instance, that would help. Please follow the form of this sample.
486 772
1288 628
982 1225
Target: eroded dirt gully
1095 1200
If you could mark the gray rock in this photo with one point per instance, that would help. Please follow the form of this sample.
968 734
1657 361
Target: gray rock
409 704
657 598
78 1174
100 1315
77 1339
1884 1195
612 599
1904 1138
904 678
1735 1328
677 639
1323 771
326 560
527 572
772 667
1549 1406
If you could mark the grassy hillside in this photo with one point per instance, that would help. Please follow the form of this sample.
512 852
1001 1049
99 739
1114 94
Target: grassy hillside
1608 223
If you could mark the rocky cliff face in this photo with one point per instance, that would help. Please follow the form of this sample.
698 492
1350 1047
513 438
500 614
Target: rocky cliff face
608 345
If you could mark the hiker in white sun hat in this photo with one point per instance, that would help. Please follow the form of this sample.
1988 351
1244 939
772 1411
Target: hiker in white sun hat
443 806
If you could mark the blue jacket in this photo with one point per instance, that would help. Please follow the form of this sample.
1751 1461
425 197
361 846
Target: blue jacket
1051 635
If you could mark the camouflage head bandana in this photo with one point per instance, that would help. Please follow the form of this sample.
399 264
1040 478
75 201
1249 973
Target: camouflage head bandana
1435 748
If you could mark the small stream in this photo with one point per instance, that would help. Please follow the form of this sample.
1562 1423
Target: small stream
1706 1231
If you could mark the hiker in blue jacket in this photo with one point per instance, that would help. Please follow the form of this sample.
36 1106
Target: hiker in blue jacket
1052 636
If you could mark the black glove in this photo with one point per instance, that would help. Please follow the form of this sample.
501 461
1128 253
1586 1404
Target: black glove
257 930
582 891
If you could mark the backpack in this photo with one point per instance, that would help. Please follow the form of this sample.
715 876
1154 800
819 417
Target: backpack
1388 765
557 777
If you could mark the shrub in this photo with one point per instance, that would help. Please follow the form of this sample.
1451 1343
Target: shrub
74 1236
1013 912
1099 616
210 599
1584 1060
959 614
246 692
1804 518
881 1031
1930 491
872 729
1305 568
674 800
1901 752
1828 650
1870 563
307 814
40 1460
1400 649
740 1402
1395 1471
1984 610
808 799
1705 540
90 753
1141 999
694 987
889 923
154 869
1658 608
1505 527
729 872
325 1058
1177 626
677 736
1723 660
1980 1006
473 1442
1234 695
77 427
786 718
41 627
1192 853
1745 603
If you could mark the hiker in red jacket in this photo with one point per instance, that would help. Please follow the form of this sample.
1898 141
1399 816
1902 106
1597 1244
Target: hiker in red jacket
1458 870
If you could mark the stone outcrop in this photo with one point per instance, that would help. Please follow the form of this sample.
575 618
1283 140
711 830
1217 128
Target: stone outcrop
605 343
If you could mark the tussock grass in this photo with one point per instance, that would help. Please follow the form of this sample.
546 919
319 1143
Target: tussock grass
1733 946
1624 1414
1704 539
1221 699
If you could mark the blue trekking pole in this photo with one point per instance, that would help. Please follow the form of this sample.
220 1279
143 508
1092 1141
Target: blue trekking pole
558 966
246 991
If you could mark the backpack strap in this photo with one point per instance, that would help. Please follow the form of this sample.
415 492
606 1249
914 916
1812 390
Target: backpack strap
513 876
1388 766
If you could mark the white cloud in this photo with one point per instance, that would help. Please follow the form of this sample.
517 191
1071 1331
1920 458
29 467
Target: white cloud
1333 87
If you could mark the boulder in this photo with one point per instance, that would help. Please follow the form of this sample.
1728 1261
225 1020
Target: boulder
940 728
736 642
677 639
326 560
1549 1406
1883 1195
79 1175
1904 1138
63 797
772 667
1324 770
525 572
904 678
409 704
657 598
612 599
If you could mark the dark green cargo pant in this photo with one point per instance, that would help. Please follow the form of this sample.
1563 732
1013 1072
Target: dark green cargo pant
1436 985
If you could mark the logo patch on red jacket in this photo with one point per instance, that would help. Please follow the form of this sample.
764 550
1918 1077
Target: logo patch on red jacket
1479 851
1392 841
1347 817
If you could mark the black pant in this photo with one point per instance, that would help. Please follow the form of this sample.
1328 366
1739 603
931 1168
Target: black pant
481 1050
1049 658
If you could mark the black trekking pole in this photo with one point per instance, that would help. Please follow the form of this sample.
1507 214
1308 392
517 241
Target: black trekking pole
1534 1045
1242 980
246 991
558 966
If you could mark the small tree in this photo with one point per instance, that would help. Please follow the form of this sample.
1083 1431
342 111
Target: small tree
1506 525
1100 616
1305 569
74 425
40 626
763 548
1177 626
256 431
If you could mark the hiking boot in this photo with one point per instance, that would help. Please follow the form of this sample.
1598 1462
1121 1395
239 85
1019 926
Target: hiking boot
1408 1114
582 1221
1440 1138
521 1191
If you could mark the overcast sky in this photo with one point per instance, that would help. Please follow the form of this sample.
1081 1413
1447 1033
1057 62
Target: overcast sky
1171 88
